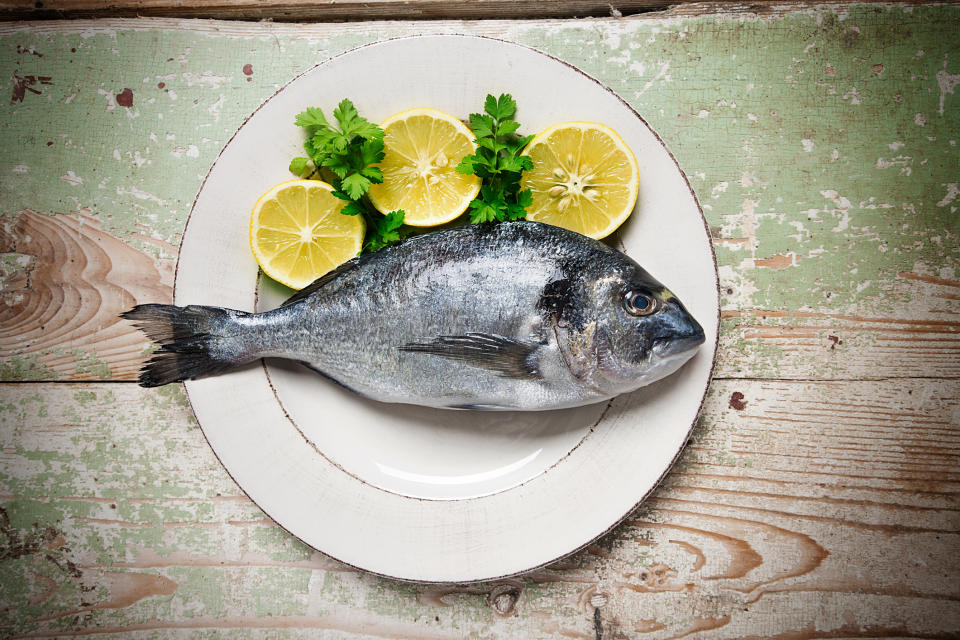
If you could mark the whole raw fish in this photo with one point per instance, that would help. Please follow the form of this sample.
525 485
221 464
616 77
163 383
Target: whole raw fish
518 315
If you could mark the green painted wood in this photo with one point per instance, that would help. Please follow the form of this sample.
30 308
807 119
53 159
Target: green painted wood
818 496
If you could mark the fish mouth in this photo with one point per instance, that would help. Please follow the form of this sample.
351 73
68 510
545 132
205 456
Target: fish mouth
677 345
680 333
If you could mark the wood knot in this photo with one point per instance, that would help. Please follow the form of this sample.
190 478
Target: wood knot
503 599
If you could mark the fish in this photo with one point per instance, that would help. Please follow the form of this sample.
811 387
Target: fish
511 316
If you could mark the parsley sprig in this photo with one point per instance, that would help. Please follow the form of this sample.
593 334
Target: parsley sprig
385 230
498 162
346 156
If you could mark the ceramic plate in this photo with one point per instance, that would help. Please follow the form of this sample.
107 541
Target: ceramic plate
428 494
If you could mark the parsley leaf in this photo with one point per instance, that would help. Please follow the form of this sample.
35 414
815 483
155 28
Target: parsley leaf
298 166
312 117
346 156
339 164
498 162
353 125
507 127
481 211
502 108
481 125
373 174
386 230
355 185
371 151
352 209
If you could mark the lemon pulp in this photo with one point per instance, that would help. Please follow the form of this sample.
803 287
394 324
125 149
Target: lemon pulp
584 178
297 232
422 148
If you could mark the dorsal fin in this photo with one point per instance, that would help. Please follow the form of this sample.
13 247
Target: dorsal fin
317 284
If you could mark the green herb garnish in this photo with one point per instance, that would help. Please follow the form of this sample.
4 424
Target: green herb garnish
498 162
346 156
388 230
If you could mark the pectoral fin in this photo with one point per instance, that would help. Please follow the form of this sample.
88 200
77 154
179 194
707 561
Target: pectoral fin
508 357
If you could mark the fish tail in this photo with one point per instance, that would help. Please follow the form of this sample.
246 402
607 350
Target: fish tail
194 341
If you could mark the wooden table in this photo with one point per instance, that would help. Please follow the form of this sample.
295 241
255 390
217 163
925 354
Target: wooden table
819 495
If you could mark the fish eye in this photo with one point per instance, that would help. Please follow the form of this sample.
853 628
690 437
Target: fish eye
639 303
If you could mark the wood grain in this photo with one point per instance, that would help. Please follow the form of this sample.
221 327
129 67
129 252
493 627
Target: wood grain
819 509
877 338
843 346
61 304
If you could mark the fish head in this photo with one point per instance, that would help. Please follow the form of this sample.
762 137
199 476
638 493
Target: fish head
626 330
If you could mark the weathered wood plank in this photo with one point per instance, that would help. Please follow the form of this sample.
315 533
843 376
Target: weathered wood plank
820 277
366 10
330 10
800 509
821 345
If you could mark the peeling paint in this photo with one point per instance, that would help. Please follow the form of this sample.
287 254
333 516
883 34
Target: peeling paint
947 83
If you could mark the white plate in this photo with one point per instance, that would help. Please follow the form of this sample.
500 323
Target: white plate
434 495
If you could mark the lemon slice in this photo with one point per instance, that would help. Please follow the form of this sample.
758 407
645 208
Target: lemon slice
584 178
297 232
422 149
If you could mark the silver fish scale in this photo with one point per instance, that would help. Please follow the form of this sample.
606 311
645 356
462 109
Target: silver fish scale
446 284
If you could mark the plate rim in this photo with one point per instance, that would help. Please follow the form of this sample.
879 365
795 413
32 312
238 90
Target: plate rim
709 379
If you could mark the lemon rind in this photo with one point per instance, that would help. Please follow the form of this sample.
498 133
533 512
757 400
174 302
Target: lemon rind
618 220
468 196
262 258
